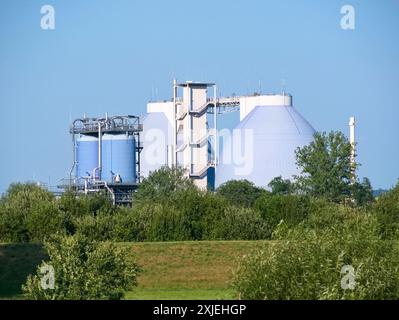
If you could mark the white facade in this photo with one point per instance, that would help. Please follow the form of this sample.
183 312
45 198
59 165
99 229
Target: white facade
186 114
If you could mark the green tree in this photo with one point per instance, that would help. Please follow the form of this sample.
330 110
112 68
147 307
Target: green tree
362 193
326 167
162 183
83 270
28 213
280 186
240 192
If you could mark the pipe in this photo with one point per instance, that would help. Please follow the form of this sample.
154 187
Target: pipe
216 127
99 151
352 141
74 160
174 162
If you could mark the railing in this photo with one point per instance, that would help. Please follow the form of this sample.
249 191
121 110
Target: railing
203 171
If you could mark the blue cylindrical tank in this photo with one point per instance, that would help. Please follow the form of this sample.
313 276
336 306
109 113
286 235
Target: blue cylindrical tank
118 158
86 155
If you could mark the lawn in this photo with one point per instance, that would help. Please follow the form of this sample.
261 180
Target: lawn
170 270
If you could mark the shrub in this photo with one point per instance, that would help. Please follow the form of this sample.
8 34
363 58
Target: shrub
387 212
84 270
162 183
28 213
125 226
362 193
44 220
239 224
240 192
199 211
168 224
291 208
310 268
338 219
278 185
96 228
74 207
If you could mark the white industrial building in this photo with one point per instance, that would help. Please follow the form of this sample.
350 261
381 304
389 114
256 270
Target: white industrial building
190 140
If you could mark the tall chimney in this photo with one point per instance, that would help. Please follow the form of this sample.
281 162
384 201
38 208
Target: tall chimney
352 141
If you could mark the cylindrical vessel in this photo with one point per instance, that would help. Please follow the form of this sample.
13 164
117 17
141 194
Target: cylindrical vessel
118 158
263 145
86 156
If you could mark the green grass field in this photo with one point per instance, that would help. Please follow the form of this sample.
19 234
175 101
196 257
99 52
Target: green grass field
170 270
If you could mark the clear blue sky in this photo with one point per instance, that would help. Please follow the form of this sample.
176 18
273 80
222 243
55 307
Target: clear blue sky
114 55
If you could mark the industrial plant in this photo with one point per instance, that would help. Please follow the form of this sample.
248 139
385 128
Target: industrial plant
115 153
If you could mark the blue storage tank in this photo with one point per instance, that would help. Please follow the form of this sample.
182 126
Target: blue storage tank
277 131
86 155
118 158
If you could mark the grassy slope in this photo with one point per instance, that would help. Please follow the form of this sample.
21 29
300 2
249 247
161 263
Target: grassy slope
170 270
188 270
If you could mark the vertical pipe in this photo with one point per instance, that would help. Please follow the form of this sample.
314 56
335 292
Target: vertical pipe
174 162
74 159
216 137
352 141
99 151
189 129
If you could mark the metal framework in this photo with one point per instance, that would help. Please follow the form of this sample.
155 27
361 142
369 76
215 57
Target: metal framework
120 193
187 109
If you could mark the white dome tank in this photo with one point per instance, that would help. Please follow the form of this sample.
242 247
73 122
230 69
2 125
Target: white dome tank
263 145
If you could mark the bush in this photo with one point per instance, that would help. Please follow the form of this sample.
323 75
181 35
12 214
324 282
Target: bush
292 209
326 217
199 211
240 192
387 212
96 228
162 183
278 185
166 223
310 268
28 213
44 220
239 224
125 226
83 270
74 208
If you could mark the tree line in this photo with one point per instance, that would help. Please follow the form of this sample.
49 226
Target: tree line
323 216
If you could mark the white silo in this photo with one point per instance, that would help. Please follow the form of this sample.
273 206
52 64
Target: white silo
263 144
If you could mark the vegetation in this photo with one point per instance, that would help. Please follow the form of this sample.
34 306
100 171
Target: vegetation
307 261
312 268
278 185
292 209
322 221
326 167
387 211
168 270
82 269
240 192
162 184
